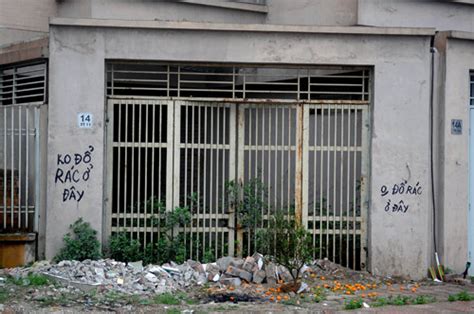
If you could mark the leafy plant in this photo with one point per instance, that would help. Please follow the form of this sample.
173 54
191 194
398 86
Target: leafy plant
286 243
423 299
123 248
380 302
166 298
354 304
248 201
461 296
81 244
400 300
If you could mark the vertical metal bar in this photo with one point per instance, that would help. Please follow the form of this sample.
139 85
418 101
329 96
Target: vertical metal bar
233 82
20 132
321 172
146 175
354 191
119 165
236 129
176 139
305 165
205 182
341 169
313 178
192 178
126 166
290 145
216 180
211 172
363 185
112 78
186 193
139 167
334 201
224 164
109 145
348 182
275 159
12 165
198 177
327 178
284 150
132 183
298 165
38 172
172 126
4 111
363 85
27 166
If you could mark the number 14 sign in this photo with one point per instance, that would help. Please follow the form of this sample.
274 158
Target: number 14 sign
84 120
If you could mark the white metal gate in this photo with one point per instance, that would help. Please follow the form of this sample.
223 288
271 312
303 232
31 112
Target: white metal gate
312 158
20 162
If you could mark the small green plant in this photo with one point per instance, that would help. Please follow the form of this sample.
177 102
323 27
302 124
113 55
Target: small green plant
400 300
31 279
286 243
380 302
354 304
38 279
319 294
123 248
461 296
166 298
4 295
81 244
423 299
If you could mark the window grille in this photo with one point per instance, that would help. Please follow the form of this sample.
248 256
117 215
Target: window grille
236 82
21 84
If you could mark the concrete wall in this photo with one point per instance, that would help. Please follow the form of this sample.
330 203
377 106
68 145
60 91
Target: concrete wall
399 242
302 12
417 13
22 20
457 61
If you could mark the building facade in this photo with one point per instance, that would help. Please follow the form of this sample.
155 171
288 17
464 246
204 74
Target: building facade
355 116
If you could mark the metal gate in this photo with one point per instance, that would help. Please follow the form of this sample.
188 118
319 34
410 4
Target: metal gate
20 162
311 157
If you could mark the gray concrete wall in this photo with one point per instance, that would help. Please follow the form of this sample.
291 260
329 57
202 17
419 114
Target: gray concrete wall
457 61
301 12
23 20
417 13
399 243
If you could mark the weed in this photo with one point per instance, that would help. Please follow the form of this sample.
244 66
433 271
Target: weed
31 279
354 304
173 311
319 294
123 248
4 295
81 244
400 300
461 296
380 302
38 279
166 298
423 299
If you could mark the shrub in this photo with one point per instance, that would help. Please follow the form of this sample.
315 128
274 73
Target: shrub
123 248
286 243
81 244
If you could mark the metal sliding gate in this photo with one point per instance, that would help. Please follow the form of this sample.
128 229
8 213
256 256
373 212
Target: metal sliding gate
20 152
311 157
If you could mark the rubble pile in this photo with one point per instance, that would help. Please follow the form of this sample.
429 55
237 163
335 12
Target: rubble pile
135 278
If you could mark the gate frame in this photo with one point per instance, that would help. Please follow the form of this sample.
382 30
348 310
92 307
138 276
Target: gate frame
301 161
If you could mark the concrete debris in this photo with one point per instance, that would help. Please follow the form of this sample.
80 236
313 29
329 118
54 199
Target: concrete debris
135 278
